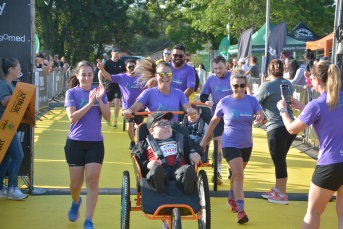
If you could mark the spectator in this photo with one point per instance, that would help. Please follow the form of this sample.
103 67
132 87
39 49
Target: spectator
242 65
228 63
283 56
40 65
254 70
230 67
66 66
201 66
58 65
286 72
316 61
9 71
310 51
234 61
46 61
308 62
296 74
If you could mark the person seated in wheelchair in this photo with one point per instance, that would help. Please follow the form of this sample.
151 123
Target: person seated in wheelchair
167 154
196 125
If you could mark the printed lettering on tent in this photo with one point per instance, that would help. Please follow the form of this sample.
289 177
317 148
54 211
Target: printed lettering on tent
20 109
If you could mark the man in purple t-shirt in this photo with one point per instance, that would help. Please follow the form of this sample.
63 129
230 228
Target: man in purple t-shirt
218 85
130 90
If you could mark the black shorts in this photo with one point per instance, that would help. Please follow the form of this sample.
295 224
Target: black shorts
328 176
230 153
112 91
79 153
138 119
219 129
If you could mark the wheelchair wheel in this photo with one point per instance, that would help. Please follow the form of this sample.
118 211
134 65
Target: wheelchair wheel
176 219
215 166
125 202
204 193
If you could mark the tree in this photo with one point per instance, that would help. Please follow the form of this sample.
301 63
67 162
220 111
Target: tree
77 28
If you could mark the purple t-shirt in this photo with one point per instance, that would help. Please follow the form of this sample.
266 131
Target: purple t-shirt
128 87
88 128
183 78
238 116
157 101
328 125
218 88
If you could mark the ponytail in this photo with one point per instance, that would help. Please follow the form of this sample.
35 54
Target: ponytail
276 68
333 85
147 69
72 82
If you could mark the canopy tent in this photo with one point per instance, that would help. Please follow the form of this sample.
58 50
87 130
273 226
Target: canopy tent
303 33
259 39
324 43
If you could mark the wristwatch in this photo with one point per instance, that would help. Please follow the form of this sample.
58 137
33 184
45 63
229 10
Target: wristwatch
283 110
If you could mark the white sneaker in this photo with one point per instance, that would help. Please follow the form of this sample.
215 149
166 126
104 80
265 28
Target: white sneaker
3 193
15 193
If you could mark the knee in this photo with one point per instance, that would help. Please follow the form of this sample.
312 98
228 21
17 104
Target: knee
314 212
117 101
76 185
92 183
238 176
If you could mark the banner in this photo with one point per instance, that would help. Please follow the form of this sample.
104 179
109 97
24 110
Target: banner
223 47
276 41
255 84
244 44
41 90
20 109
301 94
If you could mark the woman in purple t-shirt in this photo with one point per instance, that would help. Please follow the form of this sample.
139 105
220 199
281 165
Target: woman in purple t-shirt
238 111
162 97
84 150
325 113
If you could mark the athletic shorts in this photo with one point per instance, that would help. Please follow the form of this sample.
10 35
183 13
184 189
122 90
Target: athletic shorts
112 91
137 119
230 153
79 153
328 176
219 129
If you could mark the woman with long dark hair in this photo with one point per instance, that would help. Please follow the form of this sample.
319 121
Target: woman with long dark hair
325 113
84 149
296 74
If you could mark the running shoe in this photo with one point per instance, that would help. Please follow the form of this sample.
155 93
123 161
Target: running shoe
165 224
132 144
233 205
229 174
109 123
278 199
242 217
272 192
3 193
159 177
219 179
74 212
88 225
115 124
15 194
189 180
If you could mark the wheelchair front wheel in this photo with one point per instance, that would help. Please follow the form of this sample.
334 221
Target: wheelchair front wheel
215 166
204 193
176 219
125 202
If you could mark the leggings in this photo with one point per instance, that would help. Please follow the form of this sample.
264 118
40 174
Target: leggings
279 142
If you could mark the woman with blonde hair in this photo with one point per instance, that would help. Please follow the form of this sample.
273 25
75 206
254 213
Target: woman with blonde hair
325 114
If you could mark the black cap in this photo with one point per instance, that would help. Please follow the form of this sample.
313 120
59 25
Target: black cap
158 116
308 50
115 50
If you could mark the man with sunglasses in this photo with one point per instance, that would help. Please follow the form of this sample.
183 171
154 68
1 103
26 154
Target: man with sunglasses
166 56
113 66
130 89
161 160
218 85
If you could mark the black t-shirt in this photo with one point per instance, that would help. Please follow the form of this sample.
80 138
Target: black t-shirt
58 63
114 68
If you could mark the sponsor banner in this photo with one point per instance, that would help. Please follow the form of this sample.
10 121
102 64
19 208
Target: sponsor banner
20 109
255 84
41 90
301 94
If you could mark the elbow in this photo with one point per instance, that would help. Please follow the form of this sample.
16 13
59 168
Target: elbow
73 121
291 131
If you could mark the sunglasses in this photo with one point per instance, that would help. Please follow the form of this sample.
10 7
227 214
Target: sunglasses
131 67
167 53
161 74
178 55
242 85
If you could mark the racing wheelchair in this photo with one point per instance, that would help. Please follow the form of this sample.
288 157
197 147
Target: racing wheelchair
174 205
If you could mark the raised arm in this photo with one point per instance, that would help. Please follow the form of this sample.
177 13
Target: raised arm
103 71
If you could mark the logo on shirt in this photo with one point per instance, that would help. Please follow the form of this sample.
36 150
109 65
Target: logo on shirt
85 101
240 114
341 153
220 90
177 81
164 108
131 86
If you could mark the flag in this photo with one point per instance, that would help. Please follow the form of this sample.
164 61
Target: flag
277 40
244 44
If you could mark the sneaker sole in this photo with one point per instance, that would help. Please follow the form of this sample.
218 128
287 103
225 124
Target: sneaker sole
231 207
244 219
13 198
78 212
266 196
159 176
278 202
190 178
